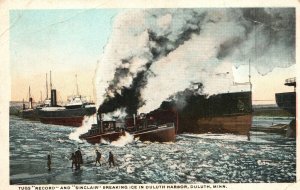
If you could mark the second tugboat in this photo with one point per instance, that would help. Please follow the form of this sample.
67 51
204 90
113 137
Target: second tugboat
146 127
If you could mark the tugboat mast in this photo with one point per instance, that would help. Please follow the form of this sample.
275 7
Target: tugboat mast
77 91
46 86
50 82
250 76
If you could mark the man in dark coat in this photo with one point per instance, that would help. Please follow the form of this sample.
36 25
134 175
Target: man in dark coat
98 157
73 160
111 159
49 162
78 158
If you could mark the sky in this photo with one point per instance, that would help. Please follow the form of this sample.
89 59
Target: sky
70 42
67 42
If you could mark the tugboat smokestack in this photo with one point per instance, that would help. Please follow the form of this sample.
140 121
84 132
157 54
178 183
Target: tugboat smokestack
100 122
23 105
30 103
30 99
53 97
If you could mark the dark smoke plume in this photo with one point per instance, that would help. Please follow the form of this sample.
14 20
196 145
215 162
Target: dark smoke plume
153 54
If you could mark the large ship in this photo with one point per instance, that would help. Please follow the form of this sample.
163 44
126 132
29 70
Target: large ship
287 102
145 127
220 113
71 114
68 115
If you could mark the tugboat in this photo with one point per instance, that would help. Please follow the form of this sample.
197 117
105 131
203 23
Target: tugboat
144 126
287 101
72 114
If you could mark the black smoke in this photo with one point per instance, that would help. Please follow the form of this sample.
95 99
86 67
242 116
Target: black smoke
130 97
276 26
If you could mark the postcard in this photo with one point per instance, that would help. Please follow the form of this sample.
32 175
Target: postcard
139 95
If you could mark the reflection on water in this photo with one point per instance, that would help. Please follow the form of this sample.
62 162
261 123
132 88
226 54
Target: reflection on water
193 158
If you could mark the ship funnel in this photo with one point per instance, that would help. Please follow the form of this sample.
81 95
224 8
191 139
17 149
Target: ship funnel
53 97
30 103
100 122
30 99
23 105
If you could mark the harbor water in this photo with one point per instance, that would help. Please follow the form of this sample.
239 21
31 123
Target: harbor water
193 158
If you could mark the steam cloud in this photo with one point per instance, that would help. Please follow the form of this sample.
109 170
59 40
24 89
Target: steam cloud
153 54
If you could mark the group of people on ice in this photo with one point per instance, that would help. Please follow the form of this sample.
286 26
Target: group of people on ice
111 159
77 159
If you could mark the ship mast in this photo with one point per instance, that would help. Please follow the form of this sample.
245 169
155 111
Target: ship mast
250 76
50 82
46 86
77 91
30 100
29 93
250 83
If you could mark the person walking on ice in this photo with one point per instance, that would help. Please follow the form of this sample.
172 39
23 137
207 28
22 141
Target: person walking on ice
111 159
98 157
49 162
79 160
73 158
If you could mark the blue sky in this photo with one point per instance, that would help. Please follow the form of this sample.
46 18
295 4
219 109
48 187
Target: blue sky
58 40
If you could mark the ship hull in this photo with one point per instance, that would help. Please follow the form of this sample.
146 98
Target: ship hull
95 139
165 134
66 117
30 115
234 124
160 134
66 121
221 113
287 101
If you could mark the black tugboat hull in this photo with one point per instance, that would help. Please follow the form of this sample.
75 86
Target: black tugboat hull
165 133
